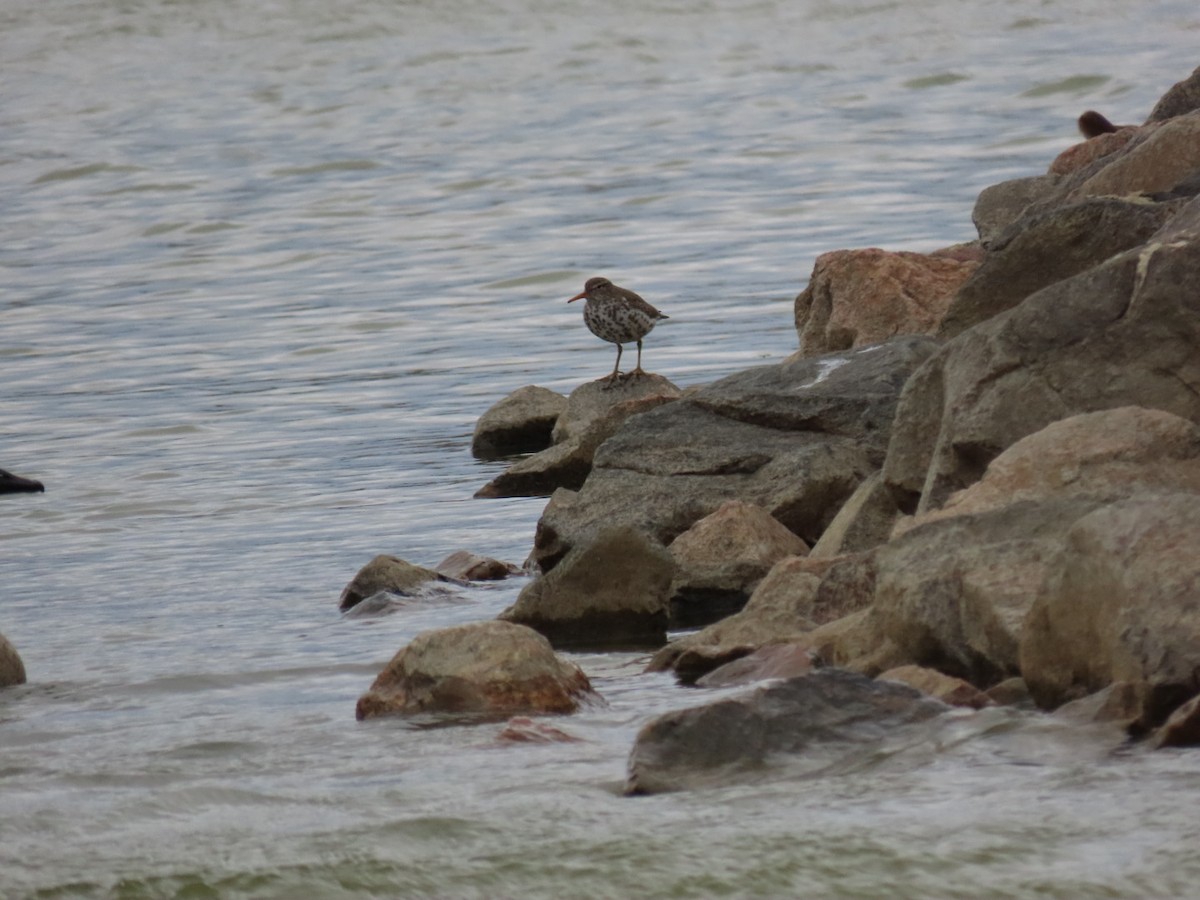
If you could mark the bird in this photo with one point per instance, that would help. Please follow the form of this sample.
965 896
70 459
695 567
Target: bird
617 315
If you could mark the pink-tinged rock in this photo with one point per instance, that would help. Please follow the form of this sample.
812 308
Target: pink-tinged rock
463 565
1156 160
860 297
947 688
524 730
1087 152
485 668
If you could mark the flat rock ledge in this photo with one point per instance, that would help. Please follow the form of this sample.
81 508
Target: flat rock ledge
490 669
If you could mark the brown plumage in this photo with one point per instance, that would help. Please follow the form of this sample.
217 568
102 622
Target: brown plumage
619 316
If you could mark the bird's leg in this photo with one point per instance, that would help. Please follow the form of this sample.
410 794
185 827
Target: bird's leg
615 376
638 372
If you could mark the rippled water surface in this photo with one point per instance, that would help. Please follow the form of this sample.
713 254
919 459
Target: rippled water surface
262 265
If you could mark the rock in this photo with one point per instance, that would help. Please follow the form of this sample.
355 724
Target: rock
953 594
808 725
861 297
594 400
1119 604
955 597
720 560
1106 455
1087 152
1181 98
520 423
1121 333
778 610
15 484
385 573
524 730
786 660
1010 692
1039 250
1155 159
1182 729
1120 703
795 439
463 565
948 689
12 669
609 594
484 668
1000 205
865 520
567 464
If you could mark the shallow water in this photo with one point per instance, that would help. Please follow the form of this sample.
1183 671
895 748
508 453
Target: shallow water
263 267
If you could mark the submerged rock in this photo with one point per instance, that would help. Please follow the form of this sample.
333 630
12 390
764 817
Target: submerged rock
947 688
610 594
484 668
816 723
12 669
463 565
385 573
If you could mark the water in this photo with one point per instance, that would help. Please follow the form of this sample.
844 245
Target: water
263 267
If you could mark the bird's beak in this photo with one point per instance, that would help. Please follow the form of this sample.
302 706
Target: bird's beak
578 296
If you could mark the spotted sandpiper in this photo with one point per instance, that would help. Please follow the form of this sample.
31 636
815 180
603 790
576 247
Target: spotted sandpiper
617 315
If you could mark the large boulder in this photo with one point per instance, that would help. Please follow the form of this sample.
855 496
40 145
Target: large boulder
1041 249
795 438
520 423
12 670
610 594
805 725
595 400
720 560
492 669
1121 333
997 207
1183 97
860 297
864 521
1119 604
386 574
1155 159
954 588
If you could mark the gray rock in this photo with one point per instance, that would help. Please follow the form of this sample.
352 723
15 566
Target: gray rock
1000 205
1183 97
815 724
1121 333
520 423
1118 604
386 573
610 594
1041 249
593 400
795 439
865 520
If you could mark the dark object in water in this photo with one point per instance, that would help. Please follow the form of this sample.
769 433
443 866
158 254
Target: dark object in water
15 484
1092 124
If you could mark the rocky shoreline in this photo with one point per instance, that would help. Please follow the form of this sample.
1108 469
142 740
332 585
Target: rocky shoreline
975 486
979 476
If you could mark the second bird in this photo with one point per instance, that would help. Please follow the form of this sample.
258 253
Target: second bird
619 316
